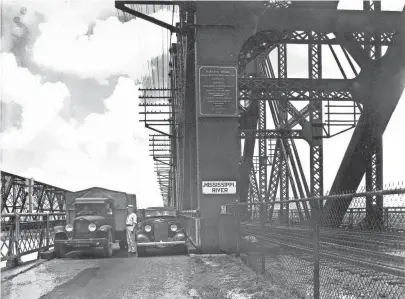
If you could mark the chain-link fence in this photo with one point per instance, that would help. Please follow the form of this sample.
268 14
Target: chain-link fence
350 246
23 234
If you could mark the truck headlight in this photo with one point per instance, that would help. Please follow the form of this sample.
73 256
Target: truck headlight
69 227
92 227
173 227
148 228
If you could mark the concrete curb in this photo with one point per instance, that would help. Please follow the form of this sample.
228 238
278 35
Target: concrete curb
25 269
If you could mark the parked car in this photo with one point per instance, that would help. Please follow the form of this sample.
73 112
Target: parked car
159 228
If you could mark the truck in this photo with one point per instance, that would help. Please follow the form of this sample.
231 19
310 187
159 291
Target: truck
95 218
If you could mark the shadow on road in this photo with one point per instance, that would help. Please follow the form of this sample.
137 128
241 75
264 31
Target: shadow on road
121 253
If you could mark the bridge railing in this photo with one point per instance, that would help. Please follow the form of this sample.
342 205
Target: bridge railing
362 255
189 220
23 234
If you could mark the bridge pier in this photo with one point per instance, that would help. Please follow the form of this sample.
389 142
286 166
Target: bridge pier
217 146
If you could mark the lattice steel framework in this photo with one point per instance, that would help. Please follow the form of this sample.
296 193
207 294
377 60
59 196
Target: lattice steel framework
286 170
15 196
260 94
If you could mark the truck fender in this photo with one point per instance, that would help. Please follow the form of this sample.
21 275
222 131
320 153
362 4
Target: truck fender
60 233
59 229
103 230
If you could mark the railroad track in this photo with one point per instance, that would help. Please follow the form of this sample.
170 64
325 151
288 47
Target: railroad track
366 263
366 240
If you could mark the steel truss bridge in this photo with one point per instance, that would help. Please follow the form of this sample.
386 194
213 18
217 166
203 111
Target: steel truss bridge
257 145
371 64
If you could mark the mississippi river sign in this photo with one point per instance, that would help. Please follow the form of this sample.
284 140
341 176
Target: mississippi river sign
218 91
219 187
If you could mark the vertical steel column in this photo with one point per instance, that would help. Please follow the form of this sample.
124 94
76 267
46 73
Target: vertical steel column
262 145
316 146
191 64
274 176
374 167
284 186
173 140
189 121
316 151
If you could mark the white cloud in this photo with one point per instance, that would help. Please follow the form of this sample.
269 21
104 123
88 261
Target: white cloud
106 150
64 10
40 102
114 48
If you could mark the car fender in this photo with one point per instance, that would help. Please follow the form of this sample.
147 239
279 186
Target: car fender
179 236
181 230
141 237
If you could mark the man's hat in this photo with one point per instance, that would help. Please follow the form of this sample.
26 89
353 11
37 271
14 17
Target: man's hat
130 206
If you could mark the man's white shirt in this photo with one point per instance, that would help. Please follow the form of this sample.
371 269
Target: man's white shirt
132 220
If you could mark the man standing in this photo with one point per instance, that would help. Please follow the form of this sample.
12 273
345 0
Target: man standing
131 222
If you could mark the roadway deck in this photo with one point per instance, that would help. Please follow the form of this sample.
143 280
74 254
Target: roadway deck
154 276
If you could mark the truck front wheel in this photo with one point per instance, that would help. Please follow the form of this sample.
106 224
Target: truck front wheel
108 247
60 250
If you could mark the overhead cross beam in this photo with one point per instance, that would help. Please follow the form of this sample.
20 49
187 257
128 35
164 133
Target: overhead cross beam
121 5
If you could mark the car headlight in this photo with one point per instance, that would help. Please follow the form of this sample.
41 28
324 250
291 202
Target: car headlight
69 227
92 227
148 228
173 227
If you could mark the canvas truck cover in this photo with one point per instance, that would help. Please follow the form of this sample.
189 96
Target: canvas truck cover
121 199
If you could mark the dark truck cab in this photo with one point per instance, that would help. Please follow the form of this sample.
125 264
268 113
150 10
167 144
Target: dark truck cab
89 229
99 227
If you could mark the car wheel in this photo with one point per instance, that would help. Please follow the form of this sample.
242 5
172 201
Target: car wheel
140 251
60 250
108 247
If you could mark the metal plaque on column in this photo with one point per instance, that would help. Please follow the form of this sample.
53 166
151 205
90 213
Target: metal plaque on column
218 91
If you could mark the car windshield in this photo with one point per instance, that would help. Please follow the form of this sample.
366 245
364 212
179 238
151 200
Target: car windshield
157 213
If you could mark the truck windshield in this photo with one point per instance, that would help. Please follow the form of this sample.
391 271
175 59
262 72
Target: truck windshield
89 209
156 213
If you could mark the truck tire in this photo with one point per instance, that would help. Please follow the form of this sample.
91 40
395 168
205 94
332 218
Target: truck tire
108 247
60 250
123 244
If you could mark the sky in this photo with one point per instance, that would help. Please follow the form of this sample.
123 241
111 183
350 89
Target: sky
69 114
